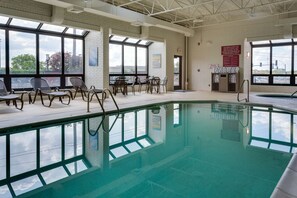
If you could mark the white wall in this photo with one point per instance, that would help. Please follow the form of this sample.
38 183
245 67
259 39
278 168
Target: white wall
94 74
209 51
157 48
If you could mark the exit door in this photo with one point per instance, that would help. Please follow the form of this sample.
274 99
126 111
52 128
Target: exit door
177 72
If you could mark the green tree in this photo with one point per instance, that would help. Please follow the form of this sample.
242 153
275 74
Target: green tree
23 63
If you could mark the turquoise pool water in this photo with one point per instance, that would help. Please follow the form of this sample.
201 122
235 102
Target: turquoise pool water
168 150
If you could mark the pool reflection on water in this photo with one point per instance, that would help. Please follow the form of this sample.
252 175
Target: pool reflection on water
183 150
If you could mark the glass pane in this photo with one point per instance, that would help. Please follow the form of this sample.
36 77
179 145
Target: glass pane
53 81
261 60
133 146
50 145
281 79
129 126
141 123
129 59
259 144
115 135
73 56
295 60
131 40
4 192
260 42
141 60
25 185
3 19
117 38
2 158
24 23
176 65
144 42
281 41
115 59
176 80
76 167
119 151
261 79
73 140
279 147
20 83
50 56
22 152
54 175
2 52
22 53
281 60
260 124
281 127
75 31
53 28
144 142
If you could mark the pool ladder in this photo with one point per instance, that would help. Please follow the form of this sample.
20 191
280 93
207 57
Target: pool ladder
104 93
293 94
247 99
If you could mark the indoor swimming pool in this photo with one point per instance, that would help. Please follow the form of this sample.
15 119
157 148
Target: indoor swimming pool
190 149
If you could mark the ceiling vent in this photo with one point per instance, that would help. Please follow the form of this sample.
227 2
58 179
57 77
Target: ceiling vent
75 9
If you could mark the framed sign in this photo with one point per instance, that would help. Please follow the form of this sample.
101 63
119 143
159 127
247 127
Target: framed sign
93 56
156 60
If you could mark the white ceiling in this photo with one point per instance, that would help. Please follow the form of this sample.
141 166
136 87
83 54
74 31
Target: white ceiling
199 13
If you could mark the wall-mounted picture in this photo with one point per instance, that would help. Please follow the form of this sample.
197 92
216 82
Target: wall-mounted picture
93 56
156 60
156 122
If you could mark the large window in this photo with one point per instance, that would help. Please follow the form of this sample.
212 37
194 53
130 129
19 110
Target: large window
273 63
32 49
127 57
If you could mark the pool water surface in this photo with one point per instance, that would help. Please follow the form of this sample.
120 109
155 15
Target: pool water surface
167 150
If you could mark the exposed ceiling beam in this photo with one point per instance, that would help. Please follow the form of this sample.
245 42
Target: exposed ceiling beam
129 3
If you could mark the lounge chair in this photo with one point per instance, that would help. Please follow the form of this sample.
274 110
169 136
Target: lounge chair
79 86
8 97
41 87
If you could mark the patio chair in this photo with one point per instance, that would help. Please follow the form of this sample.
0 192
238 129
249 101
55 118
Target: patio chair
163 83
41 87
80 86
155 84
120 84
134 83
8 97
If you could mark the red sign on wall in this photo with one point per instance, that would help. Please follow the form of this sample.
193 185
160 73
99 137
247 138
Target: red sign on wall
231 61
231 50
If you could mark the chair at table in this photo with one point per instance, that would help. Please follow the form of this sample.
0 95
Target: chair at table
42 88
120 85
80 86
8 97
155 84
135 82
163 84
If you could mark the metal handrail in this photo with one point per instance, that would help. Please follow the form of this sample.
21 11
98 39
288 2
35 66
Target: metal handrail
293 94
247 99
103 96
102 125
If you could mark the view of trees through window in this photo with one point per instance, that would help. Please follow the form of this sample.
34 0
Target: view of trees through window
37 52
273 63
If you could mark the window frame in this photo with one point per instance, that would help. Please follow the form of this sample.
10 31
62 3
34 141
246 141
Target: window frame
135 45
271 76
37 31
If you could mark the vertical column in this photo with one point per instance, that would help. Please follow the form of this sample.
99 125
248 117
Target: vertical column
105 50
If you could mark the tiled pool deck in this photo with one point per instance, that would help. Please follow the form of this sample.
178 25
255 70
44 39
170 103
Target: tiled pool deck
9 117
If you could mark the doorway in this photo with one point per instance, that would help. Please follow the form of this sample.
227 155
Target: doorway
177 72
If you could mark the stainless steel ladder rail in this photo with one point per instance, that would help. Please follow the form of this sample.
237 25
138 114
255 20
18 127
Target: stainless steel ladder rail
247 99
101 103
293 94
